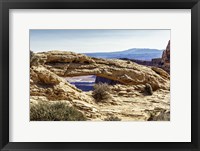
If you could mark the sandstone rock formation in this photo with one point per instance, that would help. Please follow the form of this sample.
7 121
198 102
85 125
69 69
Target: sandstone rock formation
166 58
166 54
47 84
69 64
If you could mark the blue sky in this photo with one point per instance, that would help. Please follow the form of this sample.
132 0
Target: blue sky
97 40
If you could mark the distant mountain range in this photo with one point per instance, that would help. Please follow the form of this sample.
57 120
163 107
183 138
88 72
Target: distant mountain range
135 53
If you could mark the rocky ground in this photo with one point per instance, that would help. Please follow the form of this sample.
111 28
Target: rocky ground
130 104
126 103
127 100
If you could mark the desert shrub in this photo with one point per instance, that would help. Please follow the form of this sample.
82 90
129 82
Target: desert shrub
101 92
31 54
161 115
148 89
31 58
112 118
54 112
128 61
129 90
34 60
164 116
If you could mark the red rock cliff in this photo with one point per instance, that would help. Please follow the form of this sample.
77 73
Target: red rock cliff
166 58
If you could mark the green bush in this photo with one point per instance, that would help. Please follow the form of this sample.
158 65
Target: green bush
112 118
148 89
101 92
54 112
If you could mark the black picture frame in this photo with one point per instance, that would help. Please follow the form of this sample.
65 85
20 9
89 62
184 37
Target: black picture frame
5 5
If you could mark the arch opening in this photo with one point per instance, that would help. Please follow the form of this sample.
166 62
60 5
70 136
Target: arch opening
87 82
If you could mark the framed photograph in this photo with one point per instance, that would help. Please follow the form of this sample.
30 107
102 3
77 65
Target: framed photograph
99 75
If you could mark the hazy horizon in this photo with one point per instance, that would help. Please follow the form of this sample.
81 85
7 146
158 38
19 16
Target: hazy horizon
97 40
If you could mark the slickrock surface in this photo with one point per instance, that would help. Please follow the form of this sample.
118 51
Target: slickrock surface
128 101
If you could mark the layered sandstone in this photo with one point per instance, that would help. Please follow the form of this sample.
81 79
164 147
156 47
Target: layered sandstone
47 86
127 99
69 64
166 58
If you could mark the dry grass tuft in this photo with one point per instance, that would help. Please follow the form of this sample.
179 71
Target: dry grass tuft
112 118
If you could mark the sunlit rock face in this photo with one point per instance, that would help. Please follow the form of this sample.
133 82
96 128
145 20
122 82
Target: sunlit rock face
69 64
48 71
166 58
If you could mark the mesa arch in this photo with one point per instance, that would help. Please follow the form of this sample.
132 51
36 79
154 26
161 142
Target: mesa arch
69 64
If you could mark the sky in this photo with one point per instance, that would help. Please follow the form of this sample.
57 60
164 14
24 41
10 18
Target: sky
96 40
